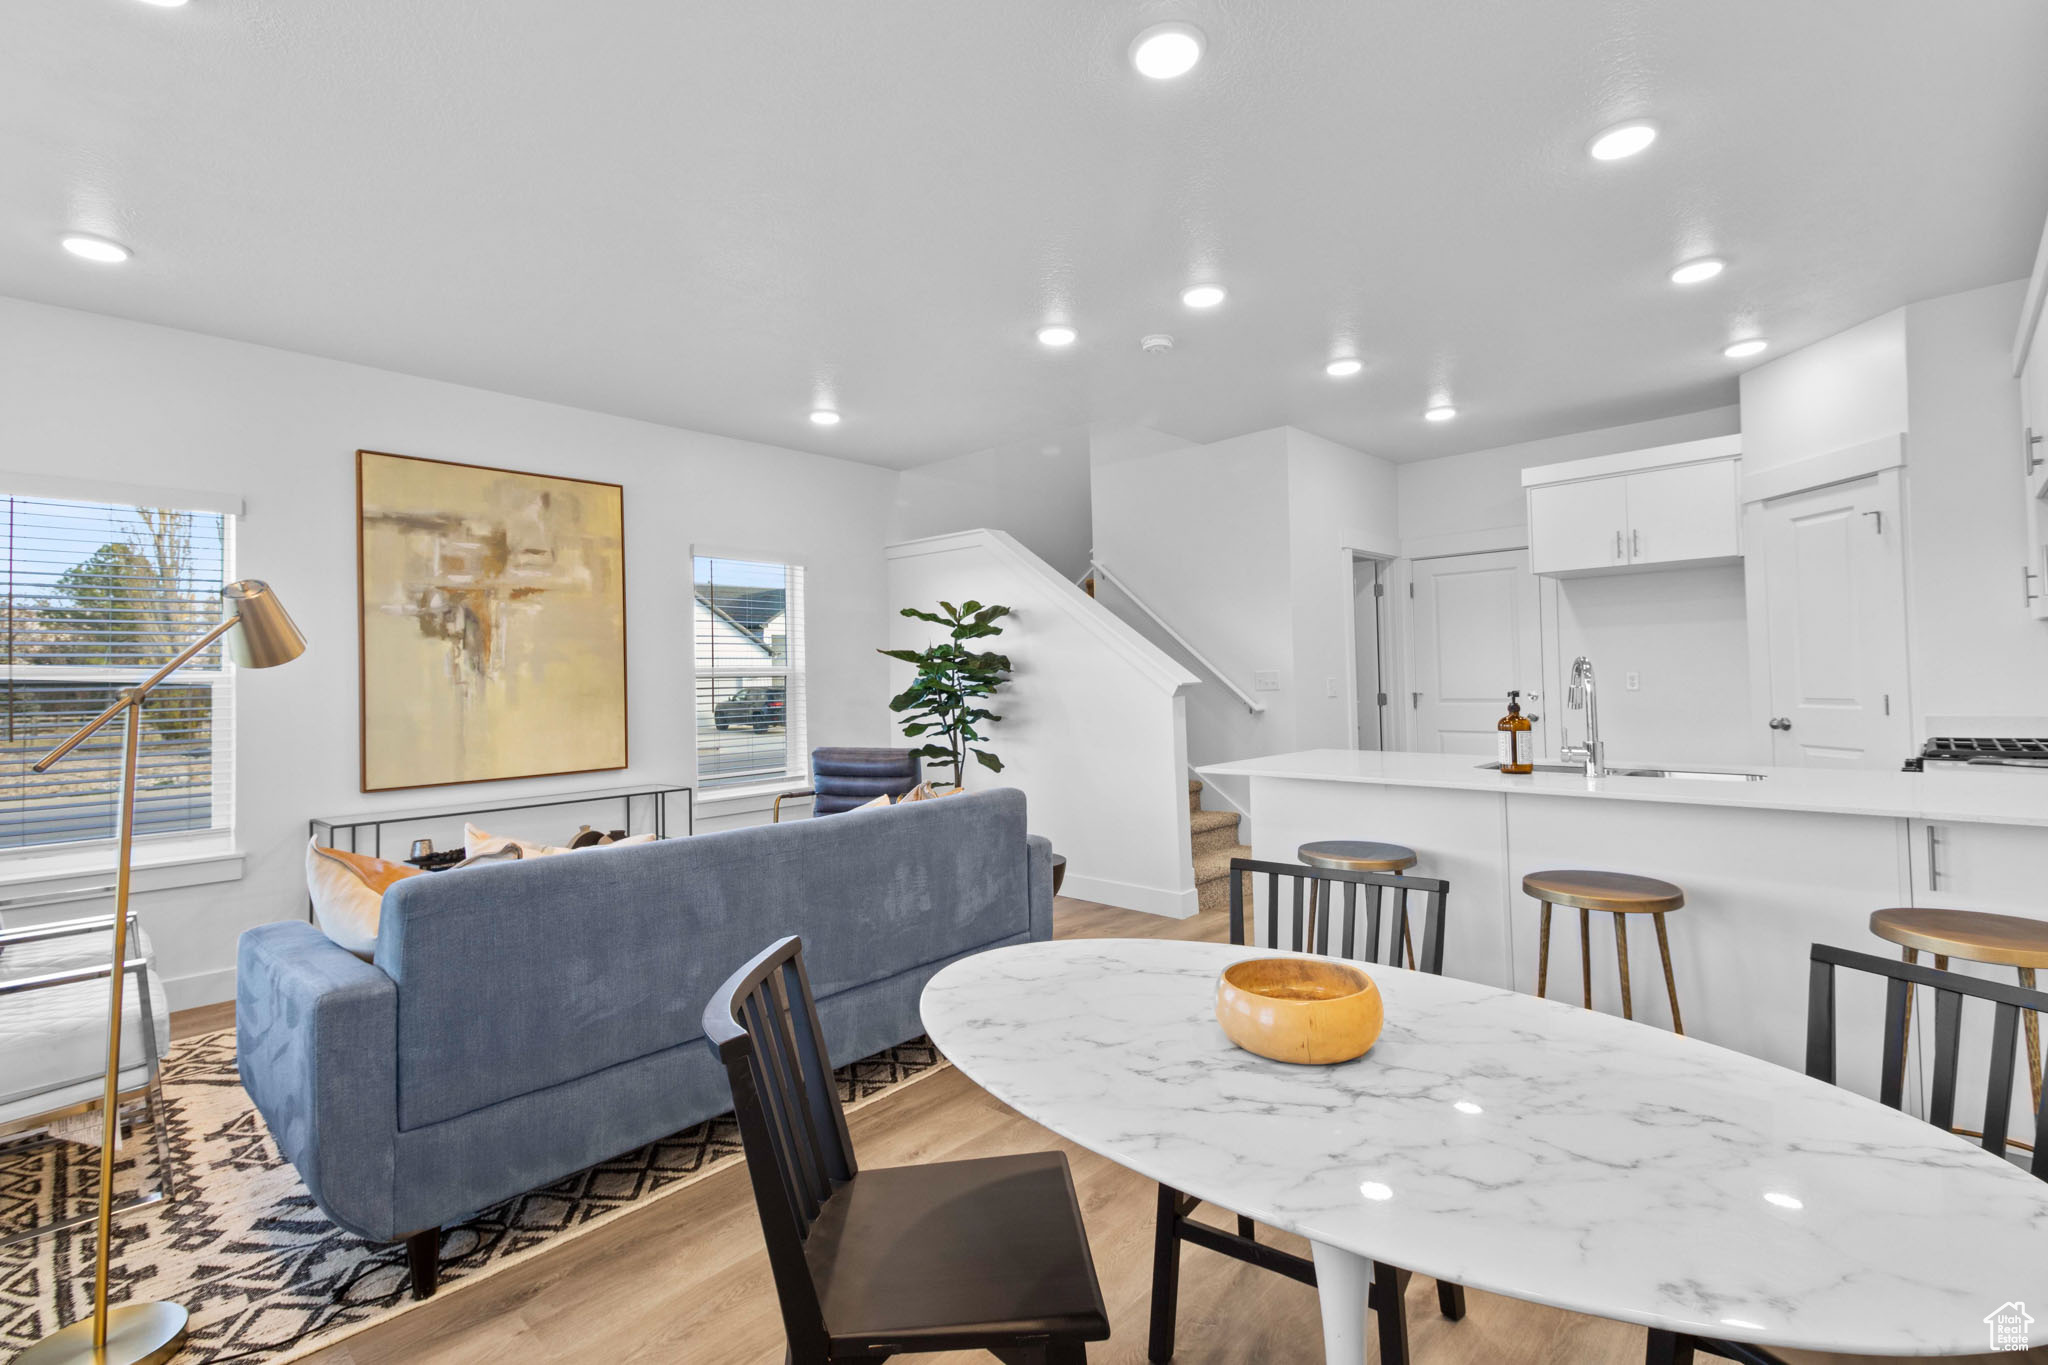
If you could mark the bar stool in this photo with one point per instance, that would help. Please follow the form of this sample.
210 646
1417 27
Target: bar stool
1357 855
1974 936
1621 894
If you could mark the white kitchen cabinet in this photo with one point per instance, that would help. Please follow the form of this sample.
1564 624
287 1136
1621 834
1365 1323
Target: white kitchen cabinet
1963 865
1577 527
1685 513
1641 509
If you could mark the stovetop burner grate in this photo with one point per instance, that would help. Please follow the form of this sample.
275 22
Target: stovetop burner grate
1985 748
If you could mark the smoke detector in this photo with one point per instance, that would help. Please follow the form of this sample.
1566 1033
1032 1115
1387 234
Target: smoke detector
1159 343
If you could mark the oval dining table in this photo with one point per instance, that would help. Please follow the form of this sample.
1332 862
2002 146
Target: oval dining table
1520 1146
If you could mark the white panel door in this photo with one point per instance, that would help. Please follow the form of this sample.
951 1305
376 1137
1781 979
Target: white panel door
1684 513
1835 590
1476 637
1578 526
1368 679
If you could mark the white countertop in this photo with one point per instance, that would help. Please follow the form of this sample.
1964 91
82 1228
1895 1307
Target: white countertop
1520 1146
1983 796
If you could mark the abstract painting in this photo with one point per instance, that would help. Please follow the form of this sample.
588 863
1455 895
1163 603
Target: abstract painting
493 619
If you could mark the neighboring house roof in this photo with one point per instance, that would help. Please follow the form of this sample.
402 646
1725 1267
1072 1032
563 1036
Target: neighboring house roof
722 642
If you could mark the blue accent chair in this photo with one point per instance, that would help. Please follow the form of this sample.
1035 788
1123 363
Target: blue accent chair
846 779
523 1021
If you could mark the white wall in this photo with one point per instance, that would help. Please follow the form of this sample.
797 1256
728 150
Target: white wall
1037 491
1338 501
1685 634
1092 730
1836 393
1975 648
96 398
1200 533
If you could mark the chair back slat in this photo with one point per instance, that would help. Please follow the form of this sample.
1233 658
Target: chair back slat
2005 1025
1951 989
1948 1029
1313 895
1891 1089
764 1027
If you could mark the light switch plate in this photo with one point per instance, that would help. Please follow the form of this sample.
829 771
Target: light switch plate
1329 687
1266 680
1635 682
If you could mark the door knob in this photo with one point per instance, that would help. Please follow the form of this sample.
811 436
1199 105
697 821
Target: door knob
1781 723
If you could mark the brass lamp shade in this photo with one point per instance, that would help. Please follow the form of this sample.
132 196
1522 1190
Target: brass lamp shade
264 635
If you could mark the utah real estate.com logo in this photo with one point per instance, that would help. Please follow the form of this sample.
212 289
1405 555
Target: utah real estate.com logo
2008 1324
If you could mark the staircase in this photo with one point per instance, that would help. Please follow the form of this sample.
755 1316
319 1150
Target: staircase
1215 844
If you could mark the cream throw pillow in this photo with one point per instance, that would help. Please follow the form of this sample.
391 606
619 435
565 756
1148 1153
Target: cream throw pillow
478 843
924 791
348 894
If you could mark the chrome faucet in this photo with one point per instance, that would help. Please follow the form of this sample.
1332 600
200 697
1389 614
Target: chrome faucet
1581 695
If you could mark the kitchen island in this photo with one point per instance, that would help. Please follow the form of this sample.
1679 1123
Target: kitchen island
1769 865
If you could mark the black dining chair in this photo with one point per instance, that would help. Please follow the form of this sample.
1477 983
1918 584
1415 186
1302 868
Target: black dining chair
1387 901
986 1254
1901 979
846 778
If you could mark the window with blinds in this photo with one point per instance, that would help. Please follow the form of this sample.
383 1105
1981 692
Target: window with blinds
750 670
97 596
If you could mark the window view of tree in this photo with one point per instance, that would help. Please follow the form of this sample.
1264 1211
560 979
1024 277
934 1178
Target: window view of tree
96 597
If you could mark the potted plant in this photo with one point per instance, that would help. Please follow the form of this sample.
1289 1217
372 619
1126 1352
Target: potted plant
944 698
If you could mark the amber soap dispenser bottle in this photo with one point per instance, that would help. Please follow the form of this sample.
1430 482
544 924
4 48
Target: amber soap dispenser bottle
1515 748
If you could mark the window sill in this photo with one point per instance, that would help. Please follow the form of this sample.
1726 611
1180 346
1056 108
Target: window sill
744 798
156 867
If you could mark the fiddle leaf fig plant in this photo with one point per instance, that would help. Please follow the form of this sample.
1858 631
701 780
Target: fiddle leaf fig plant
944 701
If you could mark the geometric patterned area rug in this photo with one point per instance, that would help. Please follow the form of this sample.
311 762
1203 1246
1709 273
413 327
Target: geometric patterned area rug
243 1247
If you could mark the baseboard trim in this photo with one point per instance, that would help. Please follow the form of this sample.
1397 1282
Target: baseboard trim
200 988
1152 900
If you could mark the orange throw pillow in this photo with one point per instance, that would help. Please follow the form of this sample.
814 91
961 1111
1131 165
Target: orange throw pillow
348 894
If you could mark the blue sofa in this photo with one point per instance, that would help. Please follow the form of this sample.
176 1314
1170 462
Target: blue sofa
523 1021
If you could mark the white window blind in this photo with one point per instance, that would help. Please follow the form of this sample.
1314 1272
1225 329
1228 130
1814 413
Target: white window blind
97 596
750 670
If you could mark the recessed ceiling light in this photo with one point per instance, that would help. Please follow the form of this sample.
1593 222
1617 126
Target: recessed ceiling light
1057 334
1343 368
96 249
1442 412
1622 140
825 417
1692 272
1167 50
166 4
1743 349
1202 295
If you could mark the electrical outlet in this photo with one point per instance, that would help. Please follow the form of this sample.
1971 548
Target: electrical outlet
1329 687
1266 680
1634 682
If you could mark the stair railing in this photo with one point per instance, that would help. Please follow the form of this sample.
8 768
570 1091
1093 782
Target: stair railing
1096 569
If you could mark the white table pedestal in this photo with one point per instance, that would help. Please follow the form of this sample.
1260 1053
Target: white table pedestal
1343 1284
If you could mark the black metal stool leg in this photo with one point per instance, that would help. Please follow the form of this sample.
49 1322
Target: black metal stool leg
1668 1348
1165 1275
1390 1306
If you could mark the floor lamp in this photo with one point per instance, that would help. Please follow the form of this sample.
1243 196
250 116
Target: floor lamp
259 635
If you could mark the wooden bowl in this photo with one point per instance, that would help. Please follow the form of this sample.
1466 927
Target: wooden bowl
1307 1010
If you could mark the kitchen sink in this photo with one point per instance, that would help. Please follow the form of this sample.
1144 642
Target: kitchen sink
1687 774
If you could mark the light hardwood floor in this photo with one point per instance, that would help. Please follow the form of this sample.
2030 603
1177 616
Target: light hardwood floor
686 1279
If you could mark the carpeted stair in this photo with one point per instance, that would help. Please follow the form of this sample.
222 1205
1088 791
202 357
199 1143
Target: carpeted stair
1215 844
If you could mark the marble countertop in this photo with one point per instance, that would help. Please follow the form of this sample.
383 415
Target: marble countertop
1520 1146
1983 796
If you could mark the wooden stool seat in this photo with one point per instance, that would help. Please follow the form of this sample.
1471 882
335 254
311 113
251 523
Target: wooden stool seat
1619 894
1357 855
1973 936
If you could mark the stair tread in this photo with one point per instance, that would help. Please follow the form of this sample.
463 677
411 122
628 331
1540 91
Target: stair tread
1202 821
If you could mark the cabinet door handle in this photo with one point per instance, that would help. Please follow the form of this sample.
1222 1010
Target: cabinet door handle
1933 868
1635 544
1781 722
1619 554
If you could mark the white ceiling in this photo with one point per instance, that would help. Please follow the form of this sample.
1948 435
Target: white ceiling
712 214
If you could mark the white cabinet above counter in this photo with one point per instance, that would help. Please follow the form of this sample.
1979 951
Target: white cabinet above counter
1642 509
